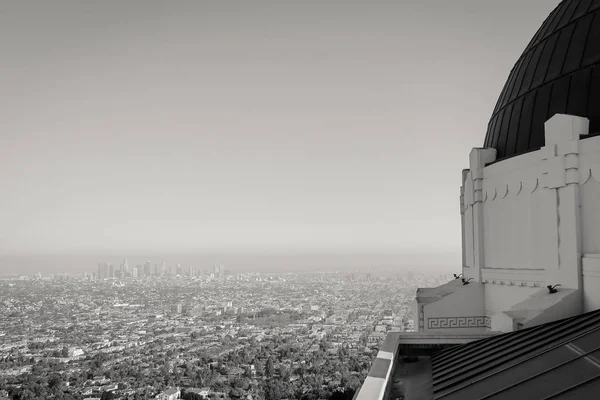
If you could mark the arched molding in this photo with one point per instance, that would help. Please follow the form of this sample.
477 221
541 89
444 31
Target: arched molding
533 185
595 172
584 175
494 194
504 191
517 188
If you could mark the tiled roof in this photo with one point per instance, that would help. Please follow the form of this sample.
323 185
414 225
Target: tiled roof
558 360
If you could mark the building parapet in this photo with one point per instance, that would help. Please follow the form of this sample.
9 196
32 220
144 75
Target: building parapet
377 382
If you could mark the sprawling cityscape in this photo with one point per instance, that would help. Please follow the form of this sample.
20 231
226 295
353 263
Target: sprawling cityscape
296 200
160 330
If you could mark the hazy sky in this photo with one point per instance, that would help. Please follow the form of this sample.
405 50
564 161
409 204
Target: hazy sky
246 125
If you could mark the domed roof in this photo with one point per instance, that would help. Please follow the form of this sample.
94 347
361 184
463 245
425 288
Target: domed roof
558 72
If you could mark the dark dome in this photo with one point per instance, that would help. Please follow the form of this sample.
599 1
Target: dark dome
558 72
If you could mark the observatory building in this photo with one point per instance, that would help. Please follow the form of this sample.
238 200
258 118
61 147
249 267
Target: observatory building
521 319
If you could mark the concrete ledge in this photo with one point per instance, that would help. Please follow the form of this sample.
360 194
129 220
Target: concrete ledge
543 307
430 295
385 355
390 344
376 383
378 380
372 389
439 337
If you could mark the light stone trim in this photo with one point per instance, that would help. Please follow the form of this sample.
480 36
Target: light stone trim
385 355
372 389
519 277
591 265
456 322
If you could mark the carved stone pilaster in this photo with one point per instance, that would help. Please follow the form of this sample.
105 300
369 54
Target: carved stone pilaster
560 179
478 158
463 207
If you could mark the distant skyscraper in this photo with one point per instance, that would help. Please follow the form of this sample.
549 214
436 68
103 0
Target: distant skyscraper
163 268
219 271
147 268
136 272
111 271
177 308
179 271
103 270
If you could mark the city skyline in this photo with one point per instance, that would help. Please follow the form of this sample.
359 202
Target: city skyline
251 324
279 199
226 127
238 263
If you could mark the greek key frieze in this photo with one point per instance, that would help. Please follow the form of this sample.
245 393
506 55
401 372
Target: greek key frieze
458 322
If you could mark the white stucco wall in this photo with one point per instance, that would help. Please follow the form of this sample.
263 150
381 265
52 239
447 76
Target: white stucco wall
591 282
540 213
466 302
416 313
502 323
499 298
590 205
512 213
568 306
526 223
590 194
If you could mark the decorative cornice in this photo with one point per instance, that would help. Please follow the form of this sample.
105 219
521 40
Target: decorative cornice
513 282
456 322
509 188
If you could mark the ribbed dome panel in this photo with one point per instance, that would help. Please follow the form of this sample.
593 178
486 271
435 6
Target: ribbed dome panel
558 72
